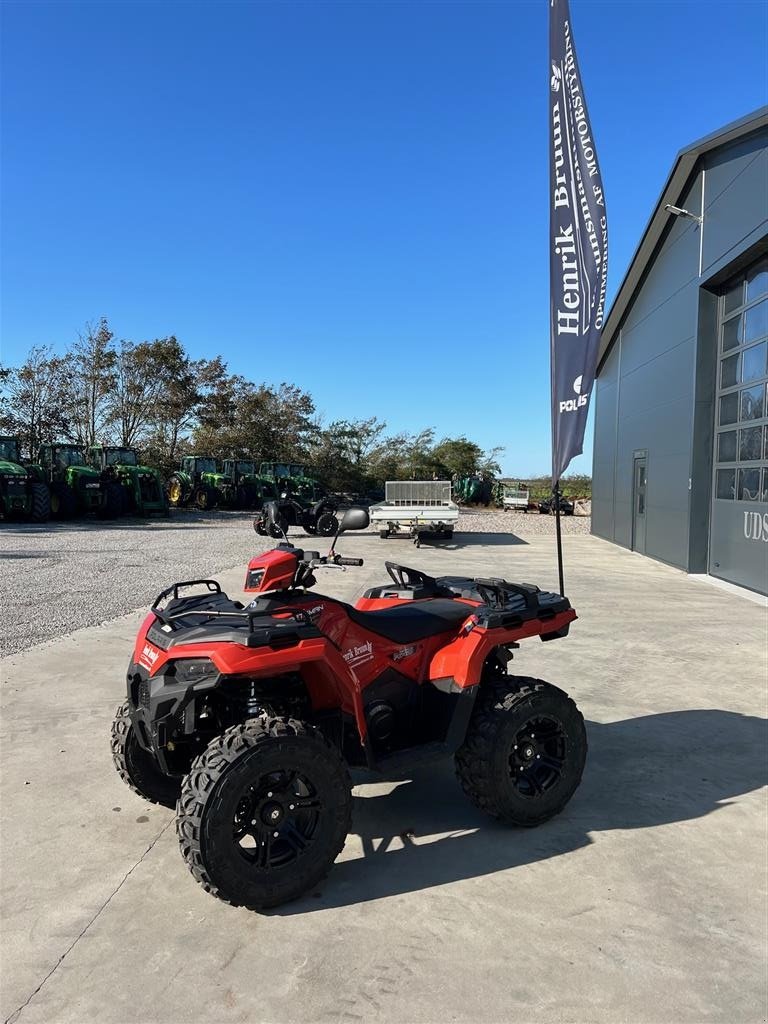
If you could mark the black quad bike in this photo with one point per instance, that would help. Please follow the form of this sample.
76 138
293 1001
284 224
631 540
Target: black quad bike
547 507
249 718
318 518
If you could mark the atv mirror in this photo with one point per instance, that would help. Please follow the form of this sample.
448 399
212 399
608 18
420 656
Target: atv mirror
354 519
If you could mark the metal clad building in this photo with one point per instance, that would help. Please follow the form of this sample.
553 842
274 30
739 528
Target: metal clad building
680 467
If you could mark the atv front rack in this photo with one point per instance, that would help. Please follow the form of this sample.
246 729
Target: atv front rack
212 586
261 629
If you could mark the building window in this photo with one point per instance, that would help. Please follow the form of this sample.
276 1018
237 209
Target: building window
741 446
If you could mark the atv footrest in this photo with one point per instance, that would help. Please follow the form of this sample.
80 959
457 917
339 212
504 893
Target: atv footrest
412 757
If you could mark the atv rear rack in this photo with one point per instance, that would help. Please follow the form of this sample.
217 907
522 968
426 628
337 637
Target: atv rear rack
492 591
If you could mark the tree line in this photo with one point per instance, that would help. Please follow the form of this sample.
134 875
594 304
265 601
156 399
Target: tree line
153 396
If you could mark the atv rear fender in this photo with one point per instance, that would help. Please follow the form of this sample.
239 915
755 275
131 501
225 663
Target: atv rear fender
461 662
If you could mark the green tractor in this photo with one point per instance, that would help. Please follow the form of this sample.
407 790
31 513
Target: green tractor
23 495
291 480
250 489
142 486
199 482
77 488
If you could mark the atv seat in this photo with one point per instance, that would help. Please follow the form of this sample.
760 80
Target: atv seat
413 620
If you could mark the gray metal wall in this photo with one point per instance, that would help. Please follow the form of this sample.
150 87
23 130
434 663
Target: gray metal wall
645 395
654 392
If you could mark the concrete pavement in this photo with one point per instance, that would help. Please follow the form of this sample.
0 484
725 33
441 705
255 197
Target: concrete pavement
645 901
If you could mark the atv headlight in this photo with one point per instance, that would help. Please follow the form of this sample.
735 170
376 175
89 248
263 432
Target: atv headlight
255 576
194 670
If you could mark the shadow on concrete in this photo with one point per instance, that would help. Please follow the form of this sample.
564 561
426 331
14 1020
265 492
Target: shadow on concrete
468 540
640 773
459 540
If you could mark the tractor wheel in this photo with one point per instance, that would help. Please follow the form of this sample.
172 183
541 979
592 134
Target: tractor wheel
136 766
524 751
41 504
327 524
264 812
113 502
63 503
175 492
259 525
243 497
204 497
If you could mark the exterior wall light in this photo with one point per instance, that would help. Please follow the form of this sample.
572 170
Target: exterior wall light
680 212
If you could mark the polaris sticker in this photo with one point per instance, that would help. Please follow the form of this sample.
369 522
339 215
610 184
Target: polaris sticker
404 652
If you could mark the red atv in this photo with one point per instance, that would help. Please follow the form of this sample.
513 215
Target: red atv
248 718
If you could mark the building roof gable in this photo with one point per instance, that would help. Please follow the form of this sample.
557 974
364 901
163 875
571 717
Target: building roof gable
676 184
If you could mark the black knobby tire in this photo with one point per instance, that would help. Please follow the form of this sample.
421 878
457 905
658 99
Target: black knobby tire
204 498
523 755
236 787
114 501
278 528
41 504
63 502
327 524
259 525
136 766
245 497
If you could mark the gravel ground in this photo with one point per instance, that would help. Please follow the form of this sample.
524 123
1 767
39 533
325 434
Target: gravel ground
524 524
62 576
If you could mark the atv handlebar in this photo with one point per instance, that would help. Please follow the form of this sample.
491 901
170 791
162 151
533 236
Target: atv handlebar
331 560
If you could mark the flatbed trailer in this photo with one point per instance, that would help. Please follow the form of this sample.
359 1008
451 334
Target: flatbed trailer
517 498
416 507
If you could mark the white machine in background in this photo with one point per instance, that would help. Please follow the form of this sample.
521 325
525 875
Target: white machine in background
516 497
417 507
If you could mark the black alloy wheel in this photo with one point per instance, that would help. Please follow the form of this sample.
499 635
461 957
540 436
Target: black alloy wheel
327 524
537 758
277 819
264 812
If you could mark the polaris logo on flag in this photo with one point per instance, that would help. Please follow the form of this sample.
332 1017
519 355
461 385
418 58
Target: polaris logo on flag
578 245
572 404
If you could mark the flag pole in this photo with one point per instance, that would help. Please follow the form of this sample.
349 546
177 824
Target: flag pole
578 254
559 538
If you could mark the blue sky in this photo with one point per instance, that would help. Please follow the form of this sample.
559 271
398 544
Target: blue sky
349 196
